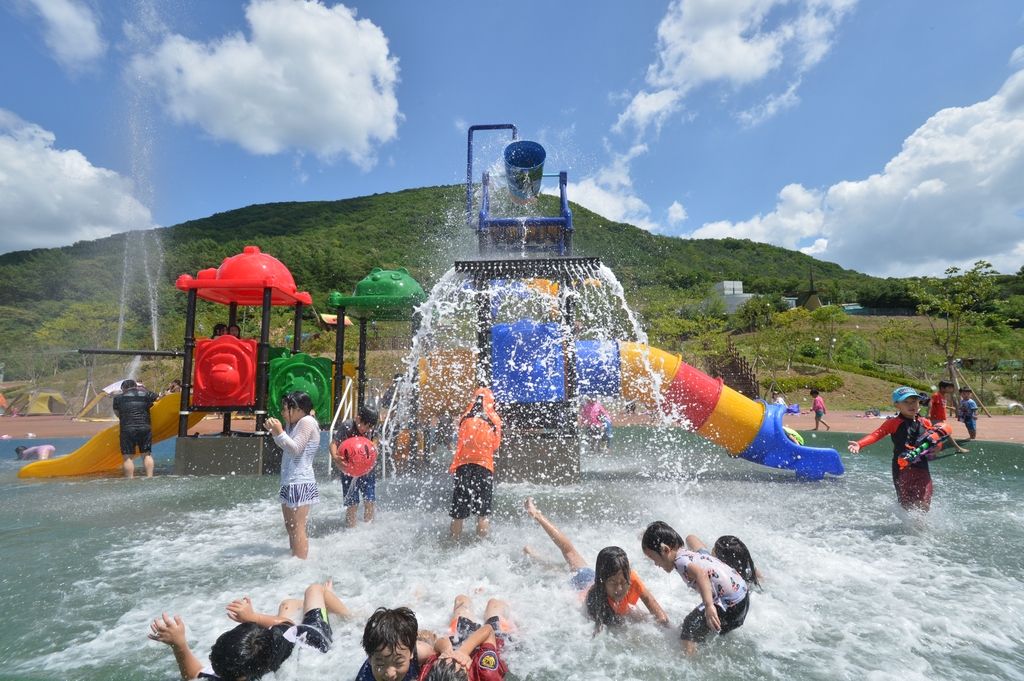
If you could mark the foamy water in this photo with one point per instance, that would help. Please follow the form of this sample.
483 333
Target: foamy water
854 588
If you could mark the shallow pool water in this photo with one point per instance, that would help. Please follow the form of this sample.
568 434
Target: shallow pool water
855 589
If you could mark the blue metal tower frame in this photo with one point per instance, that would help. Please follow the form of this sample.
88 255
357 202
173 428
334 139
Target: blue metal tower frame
535 230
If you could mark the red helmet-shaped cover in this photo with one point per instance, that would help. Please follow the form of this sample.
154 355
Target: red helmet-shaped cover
358 455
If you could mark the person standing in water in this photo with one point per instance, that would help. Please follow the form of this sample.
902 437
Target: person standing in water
300 441
132 409
473 465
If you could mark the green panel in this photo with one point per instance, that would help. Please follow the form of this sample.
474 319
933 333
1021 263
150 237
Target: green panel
311 375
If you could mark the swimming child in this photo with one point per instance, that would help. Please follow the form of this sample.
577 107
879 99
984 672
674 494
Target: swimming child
37 453
724 594
612 589
819 410
473 653
261 642
395 648
913 482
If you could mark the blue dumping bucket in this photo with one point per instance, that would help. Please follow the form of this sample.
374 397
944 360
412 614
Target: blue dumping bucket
524 169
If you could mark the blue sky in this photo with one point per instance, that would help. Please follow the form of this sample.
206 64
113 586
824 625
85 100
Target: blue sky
840 127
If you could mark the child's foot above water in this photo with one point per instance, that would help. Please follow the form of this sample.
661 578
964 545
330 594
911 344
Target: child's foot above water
531 553
531 508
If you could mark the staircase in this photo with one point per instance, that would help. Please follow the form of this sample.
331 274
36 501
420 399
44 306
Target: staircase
735 372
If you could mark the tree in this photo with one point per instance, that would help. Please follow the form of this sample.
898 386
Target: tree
828 321
953 304
759 311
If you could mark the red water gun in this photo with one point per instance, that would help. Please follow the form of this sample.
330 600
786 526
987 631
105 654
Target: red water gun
931 440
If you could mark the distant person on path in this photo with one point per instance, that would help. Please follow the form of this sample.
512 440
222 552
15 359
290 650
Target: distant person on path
299 437
473 465
3 404
132 409
777 398
362 425
913 482
968 413
819 410
261 642
938 412
37 453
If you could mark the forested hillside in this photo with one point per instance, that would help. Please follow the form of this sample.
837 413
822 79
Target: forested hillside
62 298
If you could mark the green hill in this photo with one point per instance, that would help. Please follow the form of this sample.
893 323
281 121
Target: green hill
330 245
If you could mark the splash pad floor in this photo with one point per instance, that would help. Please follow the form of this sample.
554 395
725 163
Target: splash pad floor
855 588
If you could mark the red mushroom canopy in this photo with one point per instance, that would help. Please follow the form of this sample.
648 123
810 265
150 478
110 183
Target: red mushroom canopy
242 278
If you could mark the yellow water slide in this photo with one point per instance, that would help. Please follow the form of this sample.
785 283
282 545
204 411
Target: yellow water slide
102 453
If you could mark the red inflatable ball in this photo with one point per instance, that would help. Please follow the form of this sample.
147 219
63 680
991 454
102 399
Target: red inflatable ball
358 454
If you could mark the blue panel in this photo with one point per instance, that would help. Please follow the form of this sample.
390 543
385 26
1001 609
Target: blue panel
598 368
527 362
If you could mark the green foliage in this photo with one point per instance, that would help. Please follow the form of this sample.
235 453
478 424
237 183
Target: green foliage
885 293
760 310
892 377
826 383
1013 310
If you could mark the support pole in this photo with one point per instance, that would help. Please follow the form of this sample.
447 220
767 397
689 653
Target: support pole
483 332
263 362
233 314
339 359
297 338
186 365
362 363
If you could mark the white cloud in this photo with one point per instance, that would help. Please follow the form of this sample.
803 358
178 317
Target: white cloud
953 195
54 197
797 216
676 213
71 32
771 106
1017 58
309 78
609 192
736 41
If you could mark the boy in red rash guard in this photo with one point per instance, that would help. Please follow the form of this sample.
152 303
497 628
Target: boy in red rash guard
938 412
913 483
477 657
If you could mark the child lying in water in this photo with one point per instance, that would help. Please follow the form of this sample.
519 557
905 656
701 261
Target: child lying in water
260 643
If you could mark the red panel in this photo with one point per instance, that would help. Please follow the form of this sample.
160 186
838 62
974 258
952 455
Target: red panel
692 396
242 278
225 373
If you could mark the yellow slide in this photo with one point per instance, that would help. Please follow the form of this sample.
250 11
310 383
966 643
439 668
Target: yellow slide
102 453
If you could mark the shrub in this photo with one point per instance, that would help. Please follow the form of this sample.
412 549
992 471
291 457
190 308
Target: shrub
825 384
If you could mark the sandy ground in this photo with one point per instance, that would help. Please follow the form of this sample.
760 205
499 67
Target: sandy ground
995 429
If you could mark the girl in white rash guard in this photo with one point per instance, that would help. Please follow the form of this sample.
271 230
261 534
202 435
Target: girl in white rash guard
300 442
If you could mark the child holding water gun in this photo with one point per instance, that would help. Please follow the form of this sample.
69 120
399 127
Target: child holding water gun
260 643
912 480
724 594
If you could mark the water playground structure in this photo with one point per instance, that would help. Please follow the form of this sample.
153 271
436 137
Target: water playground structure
528 319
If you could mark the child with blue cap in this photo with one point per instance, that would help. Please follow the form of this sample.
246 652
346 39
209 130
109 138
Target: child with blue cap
913 482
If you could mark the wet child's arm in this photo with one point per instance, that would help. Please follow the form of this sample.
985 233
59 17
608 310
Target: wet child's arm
242 611
172 632
654 607
424 651
700 577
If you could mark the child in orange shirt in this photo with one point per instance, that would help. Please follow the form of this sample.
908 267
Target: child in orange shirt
612 589
473 465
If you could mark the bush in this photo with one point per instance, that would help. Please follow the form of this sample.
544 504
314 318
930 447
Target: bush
900 379
810 351
825 384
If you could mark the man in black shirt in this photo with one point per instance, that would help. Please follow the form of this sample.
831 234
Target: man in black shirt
132 409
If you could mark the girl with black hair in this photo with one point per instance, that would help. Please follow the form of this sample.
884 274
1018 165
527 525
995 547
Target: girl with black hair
611 588
724 594
299 442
